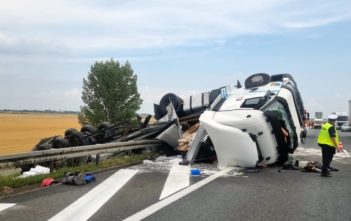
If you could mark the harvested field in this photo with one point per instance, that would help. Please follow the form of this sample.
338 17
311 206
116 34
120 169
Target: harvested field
20 132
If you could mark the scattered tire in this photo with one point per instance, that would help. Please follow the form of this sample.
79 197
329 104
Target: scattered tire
78 139
104 125
88 129
60 143
177 103
69 131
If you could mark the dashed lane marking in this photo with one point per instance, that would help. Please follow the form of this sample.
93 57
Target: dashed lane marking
87 205
178 178
167 201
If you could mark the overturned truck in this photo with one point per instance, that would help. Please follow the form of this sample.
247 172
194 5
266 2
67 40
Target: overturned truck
258 124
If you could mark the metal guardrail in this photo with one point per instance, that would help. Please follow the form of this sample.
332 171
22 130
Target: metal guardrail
14 160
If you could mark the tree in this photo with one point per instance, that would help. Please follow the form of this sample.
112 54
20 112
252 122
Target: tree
109 93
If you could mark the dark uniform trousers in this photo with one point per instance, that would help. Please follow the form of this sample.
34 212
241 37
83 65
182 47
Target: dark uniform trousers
327 156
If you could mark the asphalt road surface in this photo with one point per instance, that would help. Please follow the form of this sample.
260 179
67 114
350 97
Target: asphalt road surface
134 193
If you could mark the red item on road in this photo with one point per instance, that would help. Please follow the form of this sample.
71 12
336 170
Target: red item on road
47 182
340 147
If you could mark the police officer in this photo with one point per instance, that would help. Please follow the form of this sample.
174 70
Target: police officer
328 140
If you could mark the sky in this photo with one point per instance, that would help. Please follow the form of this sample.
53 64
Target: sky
180 46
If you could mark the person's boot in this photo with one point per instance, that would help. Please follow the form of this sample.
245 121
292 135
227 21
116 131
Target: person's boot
333 169
325 172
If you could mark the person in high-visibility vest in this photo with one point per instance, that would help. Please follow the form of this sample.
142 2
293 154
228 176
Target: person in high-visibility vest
328 140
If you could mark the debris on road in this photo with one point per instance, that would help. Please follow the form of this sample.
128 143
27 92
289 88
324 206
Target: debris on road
37 170
78 178
188 137
47 182
195 172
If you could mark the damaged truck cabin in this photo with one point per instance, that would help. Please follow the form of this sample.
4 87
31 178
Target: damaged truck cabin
259 124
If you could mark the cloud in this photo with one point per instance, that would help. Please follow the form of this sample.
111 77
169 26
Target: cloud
88 25
49 45
74 93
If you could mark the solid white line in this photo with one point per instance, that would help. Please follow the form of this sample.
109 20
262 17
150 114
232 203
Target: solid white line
87 205
178 178
163 203
4 206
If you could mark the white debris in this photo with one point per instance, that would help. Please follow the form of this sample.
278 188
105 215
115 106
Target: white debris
164 164
35 171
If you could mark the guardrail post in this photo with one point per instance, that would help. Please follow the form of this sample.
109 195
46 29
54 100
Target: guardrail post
97 159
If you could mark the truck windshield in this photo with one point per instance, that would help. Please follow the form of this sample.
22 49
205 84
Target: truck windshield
319 115
278 106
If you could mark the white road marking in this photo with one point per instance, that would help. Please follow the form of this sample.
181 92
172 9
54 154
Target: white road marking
178 178
87 205
347 153
167 201
4 206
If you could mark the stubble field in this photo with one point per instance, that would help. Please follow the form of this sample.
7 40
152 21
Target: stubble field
21 132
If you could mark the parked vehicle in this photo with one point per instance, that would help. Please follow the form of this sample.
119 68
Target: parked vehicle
318 120
346 127
341 119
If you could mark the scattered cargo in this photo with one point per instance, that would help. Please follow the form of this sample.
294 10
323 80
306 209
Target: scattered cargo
104 133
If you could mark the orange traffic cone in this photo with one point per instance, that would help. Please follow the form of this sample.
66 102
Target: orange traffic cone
340 147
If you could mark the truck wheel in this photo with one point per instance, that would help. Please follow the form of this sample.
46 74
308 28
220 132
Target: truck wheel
60 143
69 131
78 139
88 129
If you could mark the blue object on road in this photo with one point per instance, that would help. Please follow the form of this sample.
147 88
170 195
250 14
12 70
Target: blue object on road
88 178
195 172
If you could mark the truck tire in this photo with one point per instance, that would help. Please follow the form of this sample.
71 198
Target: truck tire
60 143
88 129
78 139
177 103
104 125
69 131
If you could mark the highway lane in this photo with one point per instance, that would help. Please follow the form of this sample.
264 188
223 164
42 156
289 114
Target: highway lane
269 194
272 194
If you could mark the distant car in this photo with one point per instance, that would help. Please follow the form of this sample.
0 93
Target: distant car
346 127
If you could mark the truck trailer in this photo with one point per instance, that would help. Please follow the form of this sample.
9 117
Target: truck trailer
342 118
318 120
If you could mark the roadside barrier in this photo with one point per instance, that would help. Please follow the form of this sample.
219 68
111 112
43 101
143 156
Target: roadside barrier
34 157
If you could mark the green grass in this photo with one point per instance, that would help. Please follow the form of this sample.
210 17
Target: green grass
11 181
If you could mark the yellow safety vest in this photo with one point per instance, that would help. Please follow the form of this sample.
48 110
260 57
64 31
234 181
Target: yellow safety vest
324 136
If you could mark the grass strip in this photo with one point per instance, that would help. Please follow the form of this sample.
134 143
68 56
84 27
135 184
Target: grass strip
7 183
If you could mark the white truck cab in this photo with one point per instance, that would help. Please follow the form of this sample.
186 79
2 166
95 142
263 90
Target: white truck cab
248 127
